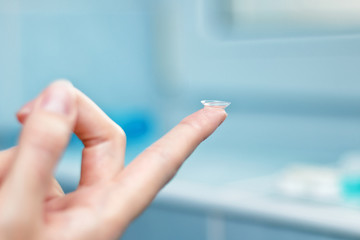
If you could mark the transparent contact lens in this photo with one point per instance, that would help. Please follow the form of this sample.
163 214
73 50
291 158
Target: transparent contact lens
215 103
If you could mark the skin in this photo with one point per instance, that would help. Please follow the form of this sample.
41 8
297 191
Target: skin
109 196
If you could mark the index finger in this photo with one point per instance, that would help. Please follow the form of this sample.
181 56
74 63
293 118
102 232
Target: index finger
151 170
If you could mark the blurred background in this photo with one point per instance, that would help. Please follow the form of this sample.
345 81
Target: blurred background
286 162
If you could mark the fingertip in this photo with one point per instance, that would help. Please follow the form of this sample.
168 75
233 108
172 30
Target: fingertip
59 98
25 110
214 114
62 81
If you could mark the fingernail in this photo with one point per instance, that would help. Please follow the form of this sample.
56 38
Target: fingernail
57 98
26 109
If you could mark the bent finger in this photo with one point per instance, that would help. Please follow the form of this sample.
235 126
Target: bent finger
103 139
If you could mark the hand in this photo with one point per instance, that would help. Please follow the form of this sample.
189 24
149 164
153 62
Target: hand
109 196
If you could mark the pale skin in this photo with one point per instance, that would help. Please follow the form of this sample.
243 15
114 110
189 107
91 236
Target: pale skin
109 195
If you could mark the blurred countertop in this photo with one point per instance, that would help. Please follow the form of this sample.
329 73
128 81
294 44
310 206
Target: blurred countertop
239 186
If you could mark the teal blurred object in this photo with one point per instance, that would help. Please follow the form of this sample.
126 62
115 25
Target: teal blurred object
350 186
138 125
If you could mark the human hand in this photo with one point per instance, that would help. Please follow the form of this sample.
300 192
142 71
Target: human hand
109 196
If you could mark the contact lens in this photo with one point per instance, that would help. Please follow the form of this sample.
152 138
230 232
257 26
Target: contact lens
215 103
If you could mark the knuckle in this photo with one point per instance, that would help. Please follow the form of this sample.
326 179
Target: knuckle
118 134
196 126
193 125
161 154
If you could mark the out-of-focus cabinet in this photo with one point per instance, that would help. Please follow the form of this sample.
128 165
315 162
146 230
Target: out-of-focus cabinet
163 223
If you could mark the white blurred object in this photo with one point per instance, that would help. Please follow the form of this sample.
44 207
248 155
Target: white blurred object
311 13
350 163
310 182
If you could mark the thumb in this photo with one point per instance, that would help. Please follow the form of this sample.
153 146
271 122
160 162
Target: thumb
44 137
